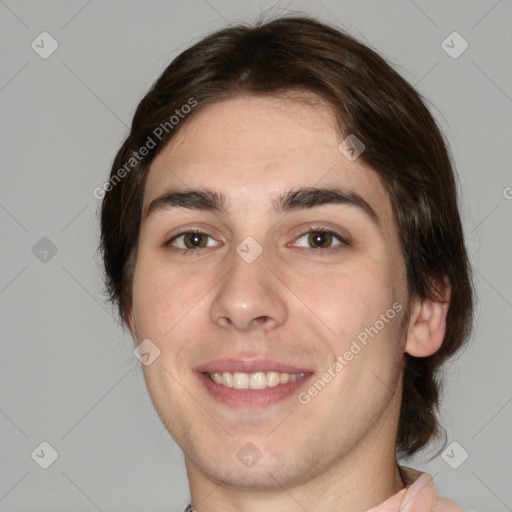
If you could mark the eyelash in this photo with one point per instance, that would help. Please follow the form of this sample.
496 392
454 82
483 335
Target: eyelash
310 229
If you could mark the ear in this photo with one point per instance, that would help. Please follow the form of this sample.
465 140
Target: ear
427 325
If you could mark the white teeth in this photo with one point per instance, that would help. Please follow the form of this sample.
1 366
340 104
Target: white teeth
217 377
240 380
273 379
226 379
257 380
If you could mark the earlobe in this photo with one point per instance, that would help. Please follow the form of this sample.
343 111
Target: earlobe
427 325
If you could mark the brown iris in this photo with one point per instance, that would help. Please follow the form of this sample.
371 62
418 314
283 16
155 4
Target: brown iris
195 240
324 240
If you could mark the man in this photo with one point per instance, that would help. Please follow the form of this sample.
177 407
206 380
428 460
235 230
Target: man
281 235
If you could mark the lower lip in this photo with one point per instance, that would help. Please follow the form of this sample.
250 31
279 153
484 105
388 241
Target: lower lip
251 398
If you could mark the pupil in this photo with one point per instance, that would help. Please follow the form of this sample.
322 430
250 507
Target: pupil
195 239
320 238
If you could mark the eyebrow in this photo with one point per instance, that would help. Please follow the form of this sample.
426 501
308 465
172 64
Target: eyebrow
302 198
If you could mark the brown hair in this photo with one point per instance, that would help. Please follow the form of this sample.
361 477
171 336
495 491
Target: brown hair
403 145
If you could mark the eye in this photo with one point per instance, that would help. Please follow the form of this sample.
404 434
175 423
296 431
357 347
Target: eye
189 240
320 238
317 238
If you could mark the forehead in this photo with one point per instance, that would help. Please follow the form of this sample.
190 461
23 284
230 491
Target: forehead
254 148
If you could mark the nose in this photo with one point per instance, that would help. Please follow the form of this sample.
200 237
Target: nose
250 296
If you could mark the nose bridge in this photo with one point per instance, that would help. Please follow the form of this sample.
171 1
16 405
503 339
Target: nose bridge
249 292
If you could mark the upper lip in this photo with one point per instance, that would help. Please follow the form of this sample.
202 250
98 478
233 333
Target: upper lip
248 366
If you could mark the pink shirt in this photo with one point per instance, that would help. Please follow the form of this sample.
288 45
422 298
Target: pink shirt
420 495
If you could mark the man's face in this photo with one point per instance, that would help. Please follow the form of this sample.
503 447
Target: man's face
266 294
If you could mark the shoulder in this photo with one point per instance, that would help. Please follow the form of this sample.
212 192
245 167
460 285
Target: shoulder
422 492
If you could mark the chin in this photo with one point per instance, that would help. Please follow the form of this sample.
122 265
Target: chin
271 472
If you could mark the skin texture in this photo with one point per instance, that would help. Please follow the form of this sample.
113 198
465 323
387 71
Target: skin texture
295 303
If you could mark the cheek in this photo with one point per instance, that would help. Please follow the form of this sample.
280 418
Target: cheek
364 313
163 299
351 300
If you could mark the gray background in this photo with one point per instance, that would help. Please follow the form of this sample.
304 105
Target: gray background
68 375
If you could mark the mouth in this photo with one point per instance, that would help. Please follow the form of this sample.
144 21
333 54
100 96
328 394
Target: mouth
251 384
